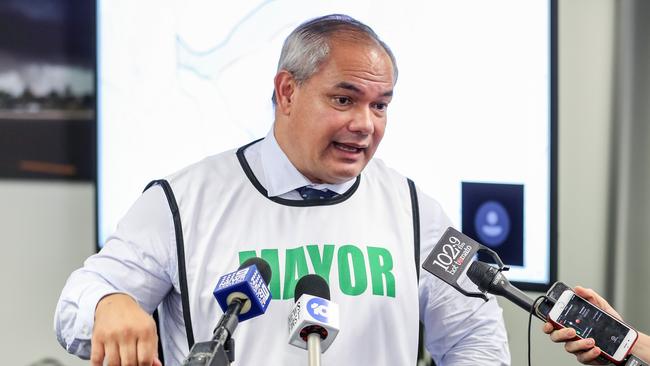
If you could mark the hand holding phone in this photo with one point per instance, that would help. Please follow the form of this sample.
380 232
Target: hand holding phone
613 338
591 296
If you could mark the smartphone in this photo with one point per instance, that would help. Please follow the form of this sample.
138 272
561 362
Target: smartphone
635 361
557 290
614 337
552 294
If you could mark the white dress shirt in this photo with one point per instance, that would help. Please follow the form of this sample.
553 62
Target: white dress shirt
275 172
459 330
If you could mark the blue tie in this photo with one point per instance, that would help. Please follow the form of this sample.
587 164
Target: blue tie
315 194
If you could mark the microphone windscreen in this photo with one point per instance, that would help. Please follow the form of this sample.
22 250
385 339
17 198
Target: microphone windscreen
481 274
262 266
314 285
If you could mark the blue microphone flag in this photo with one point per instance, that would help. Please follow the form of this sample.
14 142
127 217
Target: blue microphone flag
248 284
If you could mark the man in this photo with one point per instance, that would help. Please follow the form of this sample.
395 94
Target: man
585 350
334 82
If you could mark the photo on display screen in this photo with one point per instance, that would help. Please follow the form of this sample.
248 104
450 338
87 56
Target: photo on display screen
47 89
493 214
177 84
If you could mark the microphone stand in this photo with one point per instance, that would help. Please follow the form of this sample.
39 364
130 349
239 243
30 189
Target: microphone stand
220 351
313 348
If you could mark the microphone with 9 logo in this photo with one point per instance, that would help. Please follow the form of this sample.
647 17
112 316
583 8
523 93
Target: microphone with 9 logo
314 319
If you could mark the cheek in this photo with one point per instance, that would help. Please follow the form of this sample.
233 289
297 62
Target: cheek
327 127
317 125
380 128
308 129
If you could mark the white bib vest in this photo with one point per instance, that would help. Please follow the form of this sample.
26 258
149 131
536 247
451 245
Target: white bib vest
362 243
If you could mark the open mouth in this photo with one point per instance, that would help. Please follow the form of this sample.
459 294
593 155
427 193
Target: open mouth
348 148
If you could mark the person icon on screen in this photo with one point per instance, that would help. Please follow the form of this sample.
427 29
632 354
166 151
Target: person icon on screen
492 223
491 226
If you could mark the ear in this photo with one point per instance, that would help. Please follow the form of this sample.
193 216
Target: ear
285 87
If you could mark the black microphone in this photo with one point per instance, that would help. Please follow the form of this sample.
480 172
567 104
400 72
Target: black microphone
489 278
312 284
242 294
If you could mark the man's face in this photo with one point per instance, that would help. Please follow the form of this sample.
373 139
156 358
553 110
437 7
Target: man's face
336 118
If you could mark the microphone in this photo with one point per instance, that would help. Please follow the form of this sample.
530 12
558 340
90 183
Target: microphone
314 320
242 295
249 284
489 278
451 258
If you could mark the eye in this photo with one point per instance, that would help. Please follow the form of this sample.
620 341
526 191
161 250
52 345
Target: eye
380 106
342 100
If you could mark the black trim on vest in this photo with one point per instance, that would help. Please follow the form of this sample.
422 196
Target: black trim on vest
286 202
415 207
180 252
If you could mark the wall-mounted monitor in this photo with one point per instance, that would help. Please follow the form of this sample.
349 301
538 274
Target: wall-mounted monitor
472 121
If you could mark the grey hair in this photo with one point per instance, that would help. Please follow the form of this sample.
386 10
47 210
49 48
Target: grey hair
307 47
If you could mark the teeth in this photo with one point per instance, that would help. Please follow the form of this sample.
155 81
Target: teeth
347 148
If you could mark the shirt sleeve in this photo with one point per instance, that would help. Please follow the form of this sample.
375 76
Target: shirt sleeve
459 330
138 260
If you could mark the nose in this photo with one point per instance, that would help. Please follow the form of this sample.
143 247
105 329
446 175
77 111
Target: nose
362 122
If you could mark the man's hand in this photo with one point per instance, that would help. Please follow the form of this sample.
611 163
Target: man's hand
583 349
124 334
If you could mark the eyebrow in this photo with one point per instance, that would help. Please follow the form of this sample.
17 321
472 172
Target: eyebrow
354 88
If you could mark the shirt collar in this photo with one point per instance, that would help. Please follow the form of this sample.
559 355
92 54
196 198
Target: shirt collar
282 177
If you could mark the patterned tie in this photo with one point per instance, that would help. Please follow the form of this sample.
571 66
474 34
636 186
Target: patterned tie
315 194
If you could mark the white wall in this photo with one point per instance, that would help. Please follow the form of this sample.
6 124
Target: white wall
47 231
586 31
48 228
632 118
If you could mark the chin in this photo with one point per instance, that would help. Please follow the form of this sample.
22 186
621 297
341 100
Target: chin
342 175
